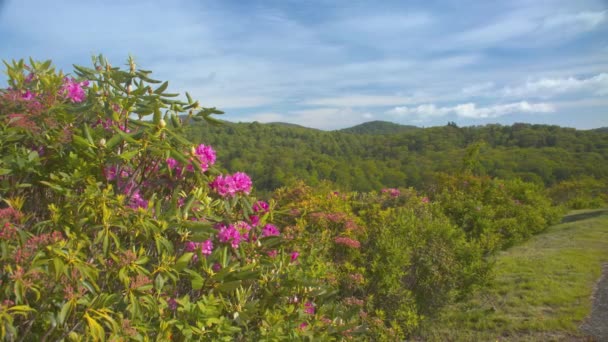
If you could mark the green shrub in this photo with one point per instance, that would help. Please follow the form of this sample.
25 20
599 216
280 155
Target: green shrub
114 226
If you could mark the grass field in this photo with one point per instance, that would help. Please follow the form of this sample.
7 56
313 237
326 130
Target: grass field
541 290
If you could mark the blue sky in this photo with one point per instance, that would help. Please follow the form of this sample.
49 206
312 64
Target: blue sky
334 64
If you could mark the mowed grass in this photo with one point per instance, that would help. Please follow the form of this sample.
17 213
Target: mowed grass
541 290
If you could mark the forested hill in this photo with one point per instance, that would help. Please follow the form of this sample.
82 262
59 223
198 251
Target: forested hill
274 154
378 127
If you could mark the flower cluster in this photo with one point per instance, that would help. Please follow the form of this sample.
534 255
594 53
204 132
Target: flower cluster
346 241
270 230
205 155
260 207
205 248
73 90
230 185
391 192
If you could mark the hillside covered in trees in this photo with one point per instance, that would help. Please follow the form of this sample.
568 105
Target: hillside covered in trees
381 154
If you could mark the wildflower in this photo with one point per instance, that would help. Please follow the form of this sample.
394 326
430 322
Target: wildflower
229 234
294 256
242 182
73 90
309 308
255 220
260 206
206 156
391 192
303 326
270 230
346 241
28 95
230 185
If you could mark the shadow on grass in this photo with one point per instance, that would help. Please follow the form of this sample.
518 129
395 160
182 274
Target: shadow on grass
584 216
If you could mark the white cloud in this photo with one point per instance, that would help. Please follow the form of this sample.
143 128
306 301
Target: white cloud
582 21
477 89
470 110
548 87
360 101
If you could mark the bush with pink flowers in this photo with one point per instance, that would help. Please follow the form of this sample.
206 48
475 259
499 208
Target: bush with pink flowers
114 226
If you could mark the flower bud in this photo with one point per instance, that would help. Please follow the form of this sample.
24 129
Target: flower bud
129 88
102 142
162 123
192 151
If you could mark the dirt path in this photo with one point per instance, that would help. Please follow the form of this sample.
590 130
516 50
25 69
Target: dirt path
596 326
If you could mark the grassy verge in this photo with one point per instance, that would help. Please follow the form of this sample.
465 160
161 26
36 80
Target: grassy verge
541 289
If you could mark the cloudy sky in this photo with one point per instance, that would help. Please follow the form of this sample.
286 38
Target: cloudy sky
333 64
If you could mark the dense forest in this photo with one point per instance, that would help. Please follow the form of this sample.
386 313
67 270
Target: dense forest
382 154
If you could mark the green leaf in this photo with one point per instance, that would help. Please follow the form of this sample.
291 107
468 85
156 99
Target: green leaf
162 88
183 261
65 311
196 279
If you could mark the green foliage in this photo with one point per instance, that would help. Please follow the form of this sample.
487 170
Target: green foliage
541 289
98 227
374 156
492 212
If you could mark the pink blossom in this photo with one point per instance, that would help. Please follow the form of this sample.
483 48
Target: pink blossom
137 201
294 256
206 248
392 192
223 185
30 77
243 228
273 253
309 308
229 234
227 185
28 95
242 182
425 199
255 220
260 206
73 90
303 326
205 155
270 230
346 241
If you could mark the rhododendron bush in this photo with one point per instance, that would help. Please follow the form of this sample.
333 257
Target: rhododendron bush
114 226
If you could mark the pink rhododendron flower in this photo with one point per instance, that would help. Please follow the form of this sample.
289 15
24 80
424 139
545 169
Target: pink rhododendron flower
392 192
243 228
230 185
309 308
242 182
303 326
28 95
223 185
346 241
255 220
294 256
273 253
229 234
206 248
260 206
73 90
206 156
137 201
270 230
